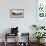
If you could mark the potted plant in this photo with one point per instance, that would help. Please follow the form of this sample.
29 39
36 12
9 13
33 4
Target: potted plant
38 27
35 26
39 35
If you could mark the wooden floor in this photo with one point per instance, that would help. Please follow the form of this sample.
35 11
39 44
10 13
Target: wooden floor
13 44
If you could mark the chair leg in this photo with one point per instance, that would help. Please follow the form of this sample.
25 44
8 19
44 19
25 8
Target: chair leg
5 43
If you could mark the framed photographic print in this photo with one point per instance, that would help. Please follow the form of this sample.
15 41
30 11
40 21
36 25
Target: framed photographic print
41 12
17 13
41 8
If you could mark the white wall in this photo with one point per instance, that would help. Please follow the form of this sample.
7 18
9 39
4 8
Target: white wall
24 24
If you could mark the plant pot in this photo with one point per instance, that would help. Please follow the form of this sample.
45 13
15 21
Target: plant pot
40 41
